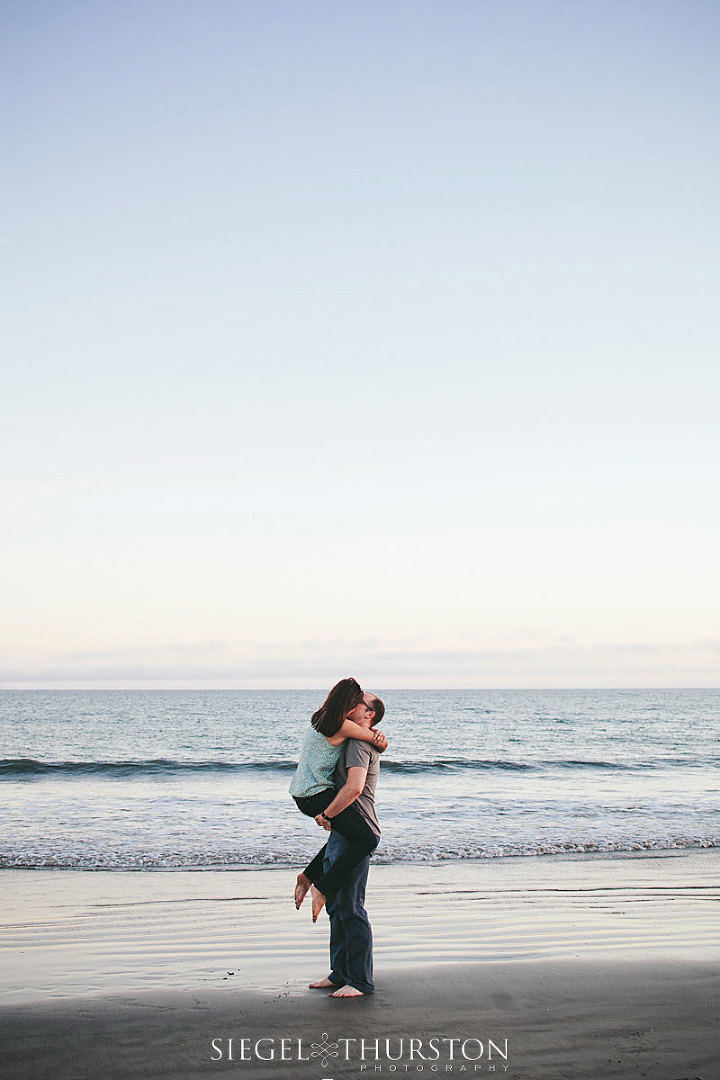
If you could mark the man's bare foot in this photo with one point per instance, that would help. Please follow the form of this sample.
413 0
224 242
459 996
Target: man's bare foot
301 889
318 902
322 985
347 991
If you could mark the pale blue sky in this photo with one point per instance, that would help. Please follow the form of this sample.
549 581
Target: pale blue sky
371 338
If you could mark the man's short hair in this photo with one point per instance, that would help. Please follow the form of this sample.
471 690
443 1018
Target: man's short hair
379 710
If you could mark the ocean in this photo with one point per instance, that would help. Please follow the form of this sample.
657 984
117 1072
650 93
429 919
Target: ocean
163 780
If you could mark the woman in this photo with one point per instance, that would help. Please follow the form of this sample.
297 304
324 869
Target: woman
313 788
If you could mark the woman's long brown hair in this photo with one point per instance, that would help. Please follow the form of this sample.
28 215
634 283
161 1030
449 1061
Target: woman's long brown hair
343 697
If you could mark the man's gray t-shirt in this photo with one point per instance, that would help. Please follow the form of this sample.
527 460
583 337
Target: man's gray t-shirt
359 754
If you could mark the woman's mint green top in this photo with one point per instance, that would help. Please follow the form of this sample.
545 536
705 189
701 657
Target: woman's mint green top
316 766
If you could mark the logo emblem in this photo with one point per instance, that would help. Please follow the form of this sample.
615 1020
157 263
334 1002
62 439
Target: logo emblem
324 1050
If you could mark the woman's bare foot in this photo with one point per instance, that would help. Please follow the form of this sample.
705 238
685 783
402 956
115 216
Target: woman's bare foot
322 985
318 902
347 991
301 889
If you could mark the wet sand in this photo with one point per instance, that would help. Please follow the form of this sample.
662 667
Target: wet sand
589 967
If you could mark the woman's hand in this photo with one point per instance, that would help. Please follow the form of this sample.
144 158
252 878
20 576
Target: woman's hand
380 742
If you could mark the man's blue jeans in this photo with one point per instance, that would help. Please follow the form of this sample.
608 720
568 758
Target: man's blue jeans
351 943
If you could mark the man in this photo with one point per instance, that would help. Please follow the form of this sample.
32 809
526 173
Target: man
356 776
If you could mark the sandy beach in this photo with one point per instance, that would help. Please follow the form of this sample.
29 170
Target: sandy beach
587 966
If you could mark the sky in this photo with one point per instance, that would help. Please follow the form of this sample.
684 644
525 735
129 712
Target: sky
370 338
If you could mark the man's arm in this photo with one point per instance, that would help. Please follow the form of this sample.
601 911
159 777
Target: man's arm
347 794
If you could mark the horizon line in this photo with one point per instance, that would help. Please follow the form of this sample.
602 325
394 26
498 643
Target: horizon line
311 689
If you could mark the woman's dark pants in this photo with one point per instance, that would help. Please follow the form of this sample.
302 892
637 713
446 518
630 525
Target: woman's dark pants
352 826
